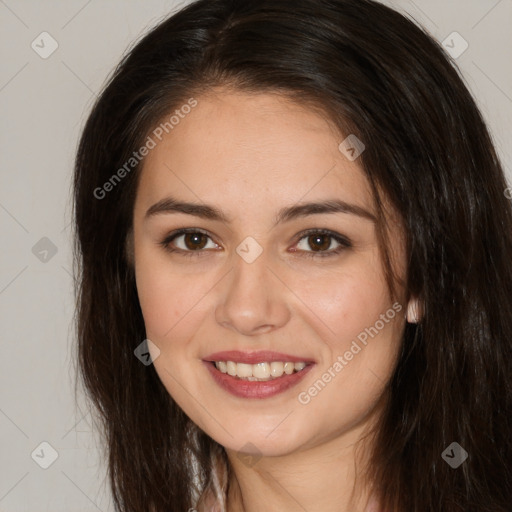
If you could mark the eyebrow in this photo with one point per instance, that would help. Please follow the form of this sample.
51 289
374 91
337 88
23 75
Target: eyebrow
170 205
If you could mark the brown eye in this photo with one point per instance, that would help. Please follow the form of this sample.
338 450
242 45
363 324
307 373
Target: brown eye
188 241
195 241
319 242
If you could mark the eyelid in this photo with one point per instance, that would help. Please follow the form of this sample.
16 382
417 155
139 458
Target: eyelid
344 242
183 231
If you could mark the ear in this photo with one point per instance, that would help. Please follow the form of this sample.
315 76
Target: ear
129 250
414 311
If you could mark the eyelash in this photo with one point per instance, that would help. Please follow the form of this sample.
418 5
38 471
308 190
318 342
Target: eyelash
343 241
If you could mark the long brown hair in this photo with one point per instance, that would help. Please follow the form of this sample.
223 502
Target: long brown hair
377 75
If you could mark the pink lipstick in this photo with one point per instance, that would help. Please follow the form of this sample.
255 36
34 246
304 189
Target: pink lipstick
238 379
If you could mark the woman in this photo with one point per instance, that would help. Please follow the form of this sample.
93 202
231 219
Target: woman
294 211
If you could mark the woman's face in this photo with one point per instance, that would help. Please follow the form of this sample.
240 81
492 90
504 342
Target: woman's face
257 276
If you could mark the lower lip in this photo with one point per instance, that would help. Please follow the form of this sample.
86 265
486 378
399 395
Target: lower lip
256 389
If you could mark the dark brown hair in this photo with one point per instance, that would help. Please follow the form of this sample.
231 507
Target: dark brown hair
375 74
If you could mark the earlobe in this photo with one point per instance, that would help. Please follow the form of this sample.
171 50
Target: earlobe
414 311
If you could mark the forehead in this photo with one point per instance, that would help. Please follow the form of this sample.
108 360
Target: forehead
235 146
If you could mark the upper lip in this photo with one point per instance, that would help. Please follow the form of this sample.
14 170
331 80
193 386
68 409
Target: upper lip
259 356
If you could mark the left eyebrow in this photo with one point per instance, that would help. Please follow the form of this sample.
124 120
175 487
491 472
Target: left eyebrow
328 206
171 205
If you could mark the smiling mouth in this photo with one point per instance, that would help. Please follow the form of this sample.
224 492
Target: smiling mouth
259 372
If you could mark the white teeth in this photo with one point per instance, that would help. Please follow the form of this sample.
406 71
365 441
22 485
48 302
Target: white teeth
288 368
276 369
244 370
231 368
260 371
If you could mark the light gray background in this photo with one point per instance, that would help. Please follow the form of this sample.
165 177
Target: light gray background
43 105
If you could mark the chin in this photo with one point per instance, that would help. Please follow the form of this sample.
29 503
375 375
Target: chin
261 439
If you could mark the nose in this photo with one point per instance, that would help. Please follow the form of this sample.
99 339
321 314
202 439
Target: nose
253 300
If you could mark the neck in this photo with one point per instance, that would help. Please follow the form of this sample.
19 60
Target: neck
321 477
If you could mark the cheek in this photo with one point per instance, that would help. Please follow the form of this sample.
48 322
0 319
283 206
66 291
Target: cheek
164 297
347 302
364 329
170 305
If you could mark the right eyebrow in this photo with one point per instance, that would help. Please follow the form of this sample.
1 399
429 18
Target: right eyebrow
171 205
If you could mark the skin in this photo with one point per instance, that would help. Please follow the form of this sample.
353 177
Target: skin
251 155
